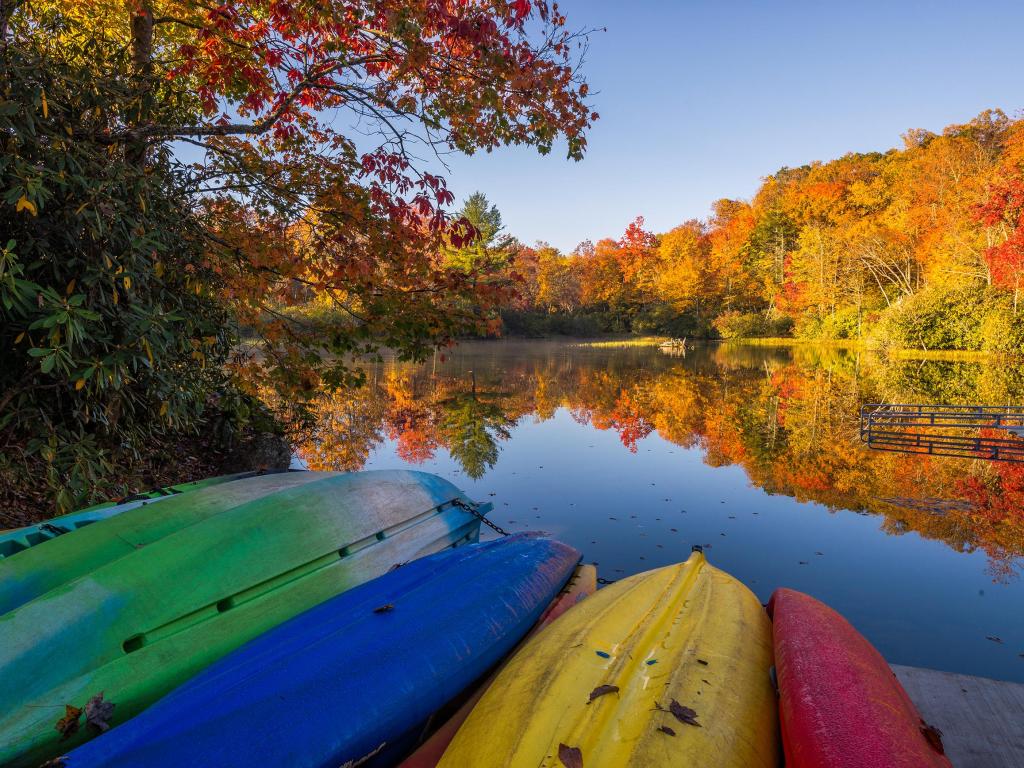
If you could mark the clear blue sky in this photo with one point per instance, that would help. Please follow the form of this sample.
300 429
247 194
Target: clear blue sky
699 99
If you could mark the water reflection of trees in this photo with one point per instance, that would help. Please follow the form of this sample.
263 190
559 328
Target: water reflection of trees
789 418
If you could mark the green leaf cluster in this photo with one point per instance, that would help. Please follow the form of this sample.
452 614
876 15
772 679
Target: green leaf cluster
111 338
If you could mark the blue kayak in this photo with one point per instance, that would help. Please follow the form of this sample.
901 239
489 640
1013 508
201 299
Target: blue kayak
353 680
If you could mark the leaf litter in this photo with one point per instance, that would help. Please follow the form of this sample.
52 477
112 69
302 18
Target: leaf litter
68 724
602 690
683 714
98 713
570 757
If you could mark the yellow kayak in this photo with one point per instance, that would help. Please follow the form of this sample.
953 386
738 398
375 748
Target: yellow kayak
665 668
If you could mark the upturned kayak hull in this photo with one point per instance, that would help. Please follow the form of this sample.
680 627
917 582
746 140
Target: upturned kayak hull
143 624
840 705
345 682
19 539
605 681
35 571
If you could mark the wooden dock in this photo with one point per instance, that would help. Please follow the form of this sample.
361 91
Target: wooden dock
982 720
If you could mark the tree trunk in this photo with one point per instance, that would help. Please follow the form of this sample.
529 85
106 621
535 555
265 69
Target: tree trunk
141 23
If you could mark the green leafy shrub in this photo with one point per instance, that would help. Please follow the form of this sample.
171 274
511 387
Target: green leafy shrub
842 324
751 325
935 318
1002 331
112 340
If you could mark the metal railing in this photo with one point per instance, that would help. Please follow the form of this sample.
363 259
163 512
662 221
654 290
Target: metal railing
966 431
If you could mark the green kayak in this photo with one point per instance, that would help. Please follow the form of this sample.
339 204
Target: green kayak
19 539
140 624
37 570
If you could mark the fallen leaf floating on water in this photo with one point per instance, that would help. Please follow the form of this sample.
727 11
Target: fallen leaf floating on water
601 690
683 714
666 729
570 757
384 608
68 724
933 736
98 713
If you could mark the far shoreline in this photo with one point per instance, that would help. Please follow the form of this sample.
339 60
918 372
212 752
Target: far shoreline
624 341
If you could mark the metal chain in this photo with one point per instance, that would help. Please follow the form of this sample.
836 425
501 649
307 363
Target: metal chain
471 508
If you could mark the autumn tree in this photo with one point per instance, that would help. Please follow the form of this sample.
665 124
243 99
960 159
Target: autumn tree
602 282
558 287
684 278
638 261
1004 213
285 136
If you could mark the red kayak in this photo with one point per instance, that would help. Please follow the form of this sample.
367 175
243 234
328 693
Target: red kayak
840 705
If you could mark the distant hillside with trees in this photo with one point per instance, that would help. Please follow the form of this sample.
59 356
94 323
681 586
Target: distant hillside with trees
920 247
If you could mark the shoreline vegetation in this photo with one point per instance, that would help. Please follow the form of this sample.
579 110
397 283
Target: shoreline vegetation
784 341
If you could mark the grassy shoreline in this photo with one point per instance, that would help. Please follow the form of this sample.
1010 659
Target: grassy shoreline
852 344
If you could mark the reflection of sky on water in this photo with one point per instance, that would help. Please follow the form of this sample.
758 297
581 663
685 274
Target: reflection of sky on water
548 429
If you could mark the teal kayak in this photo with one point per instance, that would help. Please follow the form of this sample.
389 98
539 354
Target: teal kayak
19 539
37 570
137 626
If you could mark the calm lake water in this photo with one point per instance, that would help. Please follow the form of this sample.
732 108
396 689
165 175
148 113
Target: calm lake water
633 456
